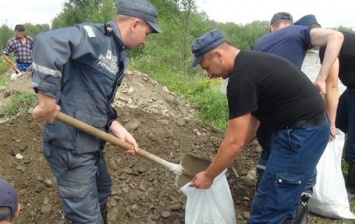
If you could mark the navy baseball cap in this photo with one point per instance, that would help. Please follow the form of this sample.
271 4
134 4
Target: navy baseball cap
141 9
307 20
279 16
205 44
8 198
19 27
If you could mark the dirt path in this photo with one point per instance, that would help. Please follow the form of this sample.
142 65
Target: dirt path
143 192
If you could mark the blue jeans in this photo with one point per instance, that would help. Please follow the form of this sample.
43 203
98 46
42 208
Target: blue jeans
264 136
23 66
84 183
293 158
345 121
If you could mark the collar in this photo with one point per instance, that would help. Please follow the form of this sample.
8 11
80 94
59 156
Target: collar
116 33
24 36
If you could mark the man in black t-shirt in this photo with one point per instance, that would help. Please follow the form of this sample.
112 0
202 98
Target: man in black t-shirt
281 97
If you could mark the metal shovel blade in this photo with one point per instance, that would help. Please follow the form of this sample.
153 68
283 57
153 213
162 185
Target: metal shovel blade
192 165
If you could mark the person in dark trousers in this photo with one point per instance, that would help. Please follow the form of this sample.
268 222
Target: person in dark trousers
282 98
292 43
340 110
78 70
21 45
343 108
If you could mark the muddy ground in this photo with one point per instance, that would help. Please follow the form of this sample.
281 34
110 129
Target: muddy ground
143 192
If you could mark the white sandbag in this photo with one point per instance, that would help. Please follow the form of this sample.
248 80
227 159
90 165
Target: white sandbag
210 206
330 198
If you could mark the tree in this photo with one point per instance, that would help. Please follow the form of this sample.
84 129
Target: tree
244 37
181 23
79 11
5 34
33 30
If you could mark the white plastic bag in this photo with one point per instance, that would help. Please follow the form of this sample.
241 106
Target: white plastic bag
210 206
330 198
13 76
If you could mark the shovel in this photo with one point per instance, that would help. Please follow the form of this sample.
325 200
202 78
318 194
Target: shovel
189 166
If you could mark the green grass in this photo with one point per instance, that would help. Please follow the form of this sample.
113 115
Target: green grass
213 107
212 104
345 167
352 206
4 66
4 80
18 103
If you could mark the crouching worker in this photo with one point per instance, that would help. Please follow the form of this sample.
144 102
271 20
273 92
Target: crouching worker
269 89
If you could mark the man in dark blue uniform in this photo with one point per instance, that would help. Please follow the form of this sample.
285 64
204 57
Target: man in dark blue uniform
282 98
77 70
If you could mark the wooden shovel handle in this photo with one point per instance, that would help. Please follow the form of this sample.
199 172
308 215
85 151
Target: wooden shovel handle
110 138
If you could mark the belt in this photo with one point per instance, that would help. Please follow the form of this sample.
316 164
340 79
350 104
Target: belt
309 122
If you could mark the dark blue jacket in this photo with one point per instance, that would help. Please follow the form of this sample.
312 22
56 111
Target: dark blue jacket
82 67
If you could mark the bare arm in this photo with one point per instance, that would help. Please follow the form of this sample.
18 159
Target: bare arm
241 131
332 96
47 108
333 41
13 65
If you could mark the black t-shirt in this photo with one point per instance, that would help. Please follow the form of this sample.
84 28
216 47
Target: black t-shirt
346 60
270 87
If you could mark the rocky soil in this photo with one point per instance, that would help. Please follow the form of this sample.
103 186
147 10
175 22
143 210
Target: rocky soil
143 192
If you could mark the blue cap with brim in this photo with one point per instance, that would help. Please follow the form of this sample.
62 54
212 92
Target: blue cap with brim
8 198
205 44
307 20
141 9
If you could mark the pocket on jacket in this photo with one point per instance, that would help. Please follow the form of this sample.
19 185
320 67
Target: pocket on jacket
84 142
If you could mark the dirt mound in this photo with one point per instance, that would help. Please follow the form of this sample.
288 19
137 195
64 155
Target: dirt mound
143 192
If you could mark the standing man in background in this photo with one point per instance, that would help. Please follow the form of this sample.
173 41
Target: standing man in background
21 45
78 70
